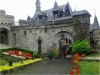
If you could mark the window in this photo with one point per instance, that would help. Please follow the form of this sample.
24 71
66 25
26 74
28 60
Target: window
25 33
84 29
35 34
40 19
40 31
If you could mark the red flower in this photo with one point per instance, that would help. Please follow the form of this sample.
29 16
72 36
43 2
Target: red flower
72 72
77 71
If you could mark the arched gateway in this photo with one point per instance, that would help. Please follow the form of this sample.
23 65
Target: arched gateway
63 40
4 36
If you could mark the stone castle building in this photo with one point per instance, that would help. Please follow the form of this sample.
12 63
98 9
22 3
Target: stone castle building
51 25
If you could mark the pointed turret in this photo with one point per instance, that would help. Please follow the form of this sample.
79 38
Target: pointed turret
55 8
38 6
95 24
37 1
68 9
28 18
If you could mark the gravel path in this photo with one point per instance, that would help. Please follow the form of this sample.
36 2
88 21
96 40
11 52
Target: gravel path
56 66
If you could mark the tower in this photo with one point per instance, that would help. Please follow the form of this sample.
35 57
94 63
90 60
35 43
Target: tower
38 7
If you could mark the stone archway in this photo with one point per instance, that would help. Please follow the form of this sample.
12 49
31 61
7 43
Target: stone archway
68 37
4 36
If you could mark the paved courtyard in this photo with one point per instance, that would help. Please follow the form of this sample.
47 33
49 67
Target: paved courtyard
56 66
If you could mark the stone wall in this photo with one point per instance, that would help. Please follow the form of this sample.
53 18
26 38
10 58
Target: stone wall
6 19
96 36
26 36
82 27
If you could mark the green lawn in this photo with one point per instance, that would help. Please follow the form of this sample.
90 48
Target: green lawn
89 68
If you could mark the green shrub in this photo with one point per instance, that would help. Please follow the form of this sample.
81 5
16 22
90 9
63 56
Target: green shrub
50 54
36 55
81 46
10 58
3 62
55 52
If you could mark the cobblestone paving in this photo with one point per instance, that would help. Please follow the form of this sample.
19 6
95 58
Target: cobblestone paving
56 66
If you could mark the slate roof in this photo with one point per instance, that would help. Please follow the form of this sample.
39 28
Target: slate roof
95 24
24 21
81 12
66 9
50 14
91 27
34 17
40 13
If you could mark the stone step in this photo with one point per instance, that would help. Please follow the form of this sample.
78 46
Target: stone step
4 46
91 59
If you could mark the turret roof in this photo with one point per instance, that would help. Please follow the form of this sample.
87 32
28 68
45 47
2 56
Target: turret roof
37 1
95 24
55 7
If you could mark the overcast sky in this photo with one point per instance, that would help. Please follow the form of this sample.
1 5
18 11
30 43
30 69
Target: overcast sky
22 8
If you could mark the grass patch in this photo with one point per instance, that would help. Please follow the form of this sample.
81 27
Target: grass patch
89 68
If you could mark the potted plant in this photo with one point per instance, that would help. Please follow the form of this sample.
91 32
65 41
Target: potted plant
39 38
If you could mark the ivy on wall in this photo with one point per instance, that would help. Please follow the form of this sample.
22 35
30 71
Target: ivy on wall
73 21
45 29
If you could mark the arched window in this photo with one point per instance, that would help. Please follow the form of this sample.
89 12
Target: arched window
14 36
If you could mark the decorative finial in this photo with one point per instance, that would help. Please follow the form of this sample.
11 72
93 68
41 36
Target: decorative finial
68 0
75 9
94 11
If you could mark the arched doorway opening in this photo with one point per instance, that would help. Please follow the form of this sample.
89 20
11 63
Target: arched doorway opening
4 36
63 41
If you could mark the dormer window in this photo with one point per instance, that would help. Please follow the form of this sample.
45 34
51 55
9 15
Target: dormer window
40 19
60 14
55 15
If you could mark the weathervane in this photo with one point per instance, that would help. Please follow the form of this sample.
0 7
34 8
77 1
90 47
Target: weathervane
94 11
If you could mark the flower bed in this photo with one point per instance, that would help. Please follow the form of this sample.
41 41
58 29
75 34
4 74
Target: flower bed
18 54
75 63
80 48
